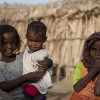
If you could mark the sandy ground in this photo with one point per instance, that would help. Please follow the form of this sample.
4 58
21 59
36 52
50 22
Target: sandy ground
61 90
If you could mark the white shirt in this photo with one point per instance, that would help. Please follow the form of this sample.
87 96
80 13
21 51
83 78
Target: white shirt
30 64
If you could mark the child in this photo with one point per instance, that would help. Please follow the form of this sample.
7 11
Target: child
87 73
3 95
11 65
36 36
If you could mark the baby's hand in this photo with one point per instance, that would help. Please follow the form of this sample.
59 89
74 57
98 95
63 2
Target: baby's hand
43 64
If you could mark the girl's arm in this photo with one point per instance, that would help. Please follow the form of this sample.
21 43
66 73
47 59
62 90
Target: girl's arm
85 80
30 77
97 86
9 85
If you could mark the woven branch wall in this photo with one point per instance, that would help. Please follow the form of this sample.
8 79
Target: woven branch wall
69 23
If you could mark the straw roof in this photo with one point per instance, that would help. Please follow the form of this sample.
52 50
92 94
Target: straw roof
17 12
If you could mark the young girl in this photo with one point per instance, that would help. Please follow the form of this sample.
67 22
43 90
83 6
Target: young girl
36 36
11 66
3 95
87 73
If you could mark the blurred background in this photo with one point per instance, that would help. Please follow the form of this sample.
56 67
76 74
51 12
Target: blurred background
69 23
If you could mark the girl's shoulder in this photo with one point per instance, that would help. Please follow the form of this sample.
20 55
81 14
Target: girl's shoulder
80 64
19 55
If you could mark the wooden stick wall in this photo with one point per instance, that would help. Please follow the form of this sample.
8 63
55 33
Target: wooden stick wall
69 24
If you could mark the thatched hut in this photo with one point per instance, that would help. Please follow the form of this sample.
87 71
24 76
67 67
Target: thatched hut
69 23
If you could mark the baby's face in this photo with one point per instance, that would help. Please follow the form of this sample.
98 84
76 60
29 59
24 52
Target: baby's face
95 50
34 41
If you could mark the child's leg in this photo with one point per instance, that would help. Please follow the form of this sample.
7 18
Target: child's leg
43 97
40 97
27 98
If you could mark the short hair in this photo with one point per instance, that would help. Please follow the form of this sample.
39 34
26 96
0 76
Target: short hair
37 27
5 28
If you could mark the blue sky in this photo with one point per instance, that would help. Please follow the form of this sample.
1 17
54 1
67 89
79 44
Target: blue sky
26 1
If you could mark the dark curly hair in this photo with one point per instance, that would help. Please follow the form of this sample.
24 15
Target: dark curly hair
37 27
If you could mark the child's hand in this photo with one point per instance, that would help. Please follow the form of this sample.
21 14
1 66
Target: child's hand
96 65
43 64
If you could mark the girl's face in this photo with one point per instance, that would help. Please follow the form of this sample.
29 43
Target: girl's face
95 50
8 44
34 41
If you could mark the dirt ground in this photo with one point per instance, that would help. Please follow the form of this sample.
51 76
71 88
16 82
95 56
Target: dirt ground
61 90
